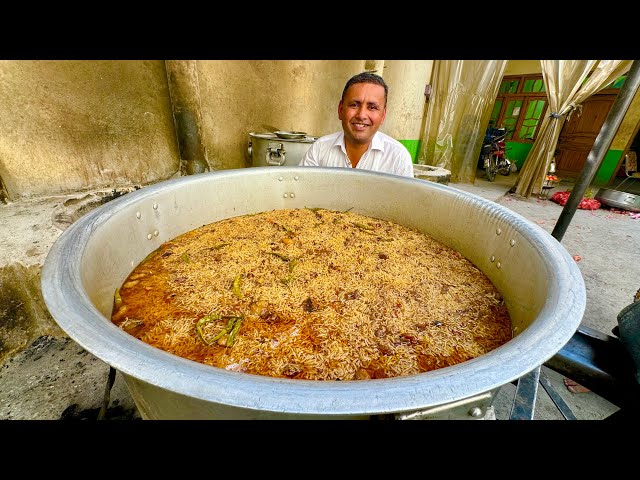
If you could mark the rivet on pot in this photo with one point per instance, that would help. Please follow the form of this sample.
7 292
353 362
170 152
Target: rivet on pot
498 265
293 195
155 206
280 179
138 215
493 258
296 177
498 231
512 242
475 412
285 195
149 236
155 233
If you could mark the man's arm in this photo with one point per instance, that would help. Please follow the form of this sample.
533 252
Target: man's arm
404 164
309 158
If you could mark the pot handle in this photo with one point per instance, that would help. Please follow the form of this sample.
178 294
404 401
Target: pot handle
275 150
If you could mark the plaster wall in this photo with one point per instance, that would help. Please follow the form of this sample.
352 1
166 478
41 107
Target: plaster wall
245 96
628 126
241 97
521 67
407 103
74 125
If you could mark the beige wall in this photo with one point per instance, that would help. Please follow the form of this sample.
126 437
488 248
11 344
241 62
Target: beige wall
74 125
407 103
521 67
241 97
244 96
69 126
628 126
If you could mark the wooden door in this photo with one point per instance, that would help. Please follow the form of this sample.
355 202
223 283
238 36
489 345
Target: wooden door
579 134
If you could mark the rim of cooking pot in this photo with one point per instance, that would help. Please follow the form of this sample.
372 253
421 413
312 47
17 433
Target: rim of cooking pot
70 305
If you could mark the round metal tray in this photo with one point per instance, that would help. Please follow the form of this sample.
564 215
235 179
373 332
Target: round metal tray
284 134
617 199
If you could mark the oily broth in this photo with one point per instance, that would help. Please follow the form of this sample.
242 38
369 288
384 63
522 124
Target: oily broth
312 294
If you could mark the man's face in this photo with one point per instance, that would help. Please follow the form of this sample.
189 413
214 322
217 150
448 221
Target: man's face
362 111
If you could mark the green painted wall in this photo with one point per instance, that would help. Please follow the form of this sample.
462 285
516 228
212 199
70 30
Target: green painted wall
412 146
608 167
517 152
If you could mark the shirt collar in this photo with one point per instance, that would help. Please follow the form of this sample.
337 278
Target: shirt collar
376 142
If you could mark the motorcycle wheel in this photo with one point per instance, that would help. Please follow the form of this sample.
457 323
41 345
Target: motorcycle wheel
491 168
505 169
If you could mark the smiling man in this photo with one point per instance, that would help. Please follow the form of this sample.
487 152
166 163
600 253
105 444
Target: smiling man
362 110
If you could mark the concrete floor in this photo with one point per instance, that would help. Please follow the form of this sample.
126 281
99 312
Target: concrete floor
54 378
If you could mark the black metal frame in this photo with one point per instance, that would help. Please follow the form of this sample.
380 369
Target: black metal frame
601 363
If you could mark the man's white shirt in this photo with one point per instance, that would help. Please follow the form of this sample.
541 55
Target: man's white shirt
385 154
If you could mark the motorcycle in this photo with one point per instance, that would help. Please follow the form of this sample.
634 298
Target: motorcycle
492 154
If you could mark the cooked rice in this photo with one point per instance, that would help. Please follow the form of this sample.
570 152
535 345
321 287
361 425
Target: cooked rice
316 294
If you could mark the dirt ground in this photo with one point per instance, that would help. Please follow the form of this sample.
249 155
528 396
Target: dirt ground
606 246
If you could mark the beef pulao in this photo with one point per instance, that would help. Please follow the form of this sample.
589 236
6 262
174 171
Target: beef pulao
312 294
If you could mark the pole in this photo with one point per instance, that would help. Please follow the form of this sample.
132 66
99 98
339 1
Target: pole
599 149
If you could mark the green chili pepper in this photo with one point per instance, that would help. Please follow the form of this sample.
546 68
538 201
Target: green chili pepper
283 227
236 286
227 330
362 226
149 257
292 265
234 331
200 324
281 256
117 298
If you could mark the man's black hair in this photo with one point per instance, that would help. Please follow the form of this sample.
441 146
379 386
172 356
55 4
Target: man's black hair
367 77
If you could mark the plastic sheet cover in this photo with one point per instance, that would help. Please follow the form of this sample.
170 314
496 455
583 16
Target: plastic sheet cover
457 115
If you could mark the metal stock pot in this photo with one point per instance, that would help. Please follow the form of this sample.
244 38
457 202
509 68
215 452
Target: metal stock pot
540 282
279 148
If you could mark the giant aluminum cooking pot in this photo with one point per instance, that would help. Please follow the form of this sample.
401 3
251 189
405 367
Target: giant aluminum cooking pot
277 149
541 284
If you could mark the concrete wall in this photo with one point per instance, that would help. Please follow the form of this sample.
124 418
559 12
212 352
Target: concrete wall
75 125
522 67
239 97
407 103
